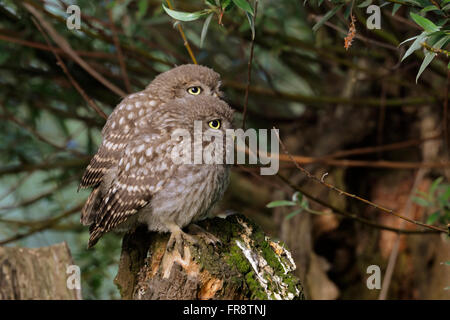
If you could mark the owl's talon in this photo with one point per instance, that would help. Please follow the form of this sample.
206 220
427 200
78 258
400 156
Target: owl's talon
178 239
205 235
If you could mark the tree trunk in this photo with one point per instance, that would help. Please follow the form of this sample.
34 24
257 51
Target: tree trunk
245 265
36 273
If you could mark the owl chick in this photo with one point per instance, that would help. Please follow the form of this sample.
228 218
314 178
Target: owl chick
133 175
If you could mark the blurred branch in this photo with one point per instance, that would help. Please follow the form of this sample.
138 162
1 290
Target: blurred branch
386 147
65 46
36 134
71 79
249 68
352 215
342 192
446 120
41 46
13 188
42 225
319 100
364 163
123 69
44 195
58 164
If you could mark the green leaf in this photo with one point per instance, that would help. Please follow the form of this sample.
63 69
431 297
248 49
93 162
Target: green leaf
365 4
414 2
293 213
395 8
412 38
435 185
252 25
281 203
326 17
426 24
432 218
429 8
250 22
244 5
205 29
142 8
429 56
348 10
421 202
423 194
184 16
445 196
416 45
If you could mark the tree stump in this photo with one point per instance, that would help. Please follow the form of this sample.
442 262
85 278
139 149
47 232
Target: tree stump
246 265
36 273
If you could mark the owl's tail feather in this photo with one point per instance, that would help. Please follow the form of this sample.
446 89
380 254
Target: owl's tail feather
95 234
89 211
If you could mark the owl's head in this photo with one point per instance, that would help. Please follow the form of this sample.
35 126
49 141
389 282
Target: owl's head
185 81
213 113
205 120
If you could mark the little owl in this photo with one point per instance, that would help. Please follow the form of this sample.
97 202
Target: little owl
134 179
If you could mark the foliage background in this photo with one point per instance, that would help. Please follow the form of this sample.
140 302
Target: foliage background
325 99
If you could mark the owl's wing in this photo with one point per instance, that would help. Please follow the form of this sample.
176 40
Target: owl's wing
106 157
141 172
117 131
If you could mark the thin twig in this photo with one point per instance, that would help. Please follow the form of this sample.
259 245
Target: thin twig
64 45
41 46
352 215
435 50
446 120
34 199
249 69
364 163
342 192
16 186
44 225
40 137
386 147
185 41
123 68
381 116
321 100
91 103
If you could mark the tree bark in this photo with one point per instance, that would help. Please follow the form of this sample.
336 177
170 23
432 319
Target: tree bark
36 273
245 265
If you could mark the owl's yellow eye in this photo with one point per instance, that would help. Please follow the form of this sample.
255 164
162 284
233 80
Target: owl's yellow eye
214 124
194 90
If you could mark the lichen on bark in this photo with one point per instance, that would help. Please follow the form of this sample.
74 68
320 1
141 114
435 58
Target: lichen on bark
246 265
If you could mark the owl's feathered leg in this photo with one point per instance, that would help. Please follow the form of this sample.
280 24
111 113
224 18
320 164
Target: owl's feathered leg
205 235
178 238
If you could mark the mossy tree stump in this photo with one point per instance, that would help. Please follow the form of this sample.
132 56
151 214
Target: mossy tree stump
246 265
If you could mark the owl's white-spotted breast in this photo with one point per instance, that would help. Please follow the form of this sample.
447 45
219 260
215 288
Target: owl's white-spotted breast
133 176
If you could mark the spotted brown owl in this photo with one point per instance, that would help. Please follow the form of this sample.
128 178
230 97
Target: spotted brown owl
134 177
